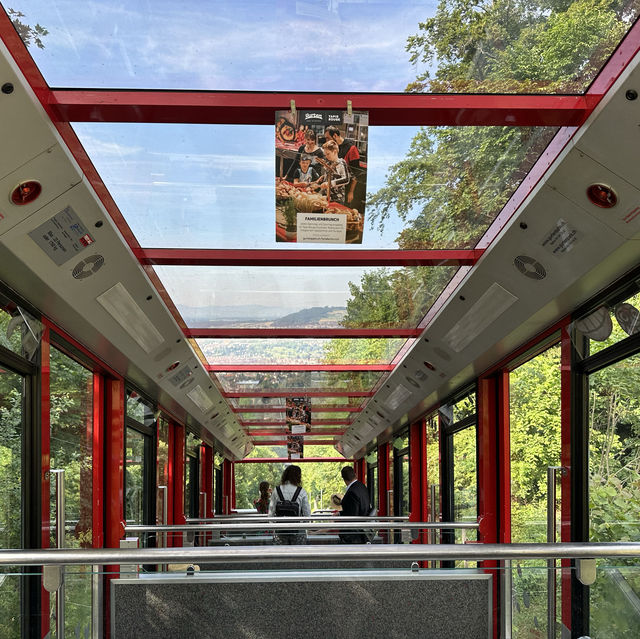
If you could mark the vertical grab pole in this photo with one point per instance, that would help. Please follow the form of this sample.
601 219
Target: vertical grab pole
60 543
434 514
551 539
203 535
507 599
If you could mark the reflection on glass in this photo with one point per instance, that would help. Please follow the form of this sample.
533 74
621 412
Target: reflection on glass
274 402
11 416
347 46
300 351
295 380
134 478
9 338
139 409
322 297
614 492
534 402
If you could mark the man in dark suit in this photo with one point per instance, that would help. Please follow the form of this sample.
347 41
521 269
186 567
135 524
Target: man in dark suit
355 503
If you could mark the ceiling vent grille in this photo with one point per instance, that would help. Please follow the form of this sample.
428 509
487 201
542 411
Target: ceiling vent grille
87 267
530 267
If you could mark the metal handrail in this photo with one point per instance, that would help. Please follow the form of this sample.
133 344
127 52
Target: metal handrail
307 525
347 552
254 518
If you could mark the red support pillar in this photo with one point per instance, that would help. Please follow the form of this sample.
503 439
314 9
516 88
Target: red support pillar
227 481
97 461
207 478
178 480
487 416
418 475
504 457
360 466
383 482
114 477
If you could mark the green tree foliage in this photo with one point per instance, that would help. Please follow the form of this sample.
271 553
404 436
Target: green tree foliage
30 35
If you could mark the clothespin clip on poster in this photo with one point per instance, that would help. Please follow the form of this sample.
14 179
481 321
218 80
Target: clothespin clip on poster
349 107
293 107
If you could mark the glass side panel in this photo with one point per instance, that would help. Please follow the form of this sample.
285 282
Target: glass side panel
162 472
213 186
71 392
11 427
323 297
297 380
300 351
133 476
247 402
465 481
433 467
535 406
614 493
139 409
323 46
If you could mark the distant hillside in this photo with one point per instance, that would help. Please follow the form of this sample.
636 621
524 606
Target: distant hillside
320 316
198 314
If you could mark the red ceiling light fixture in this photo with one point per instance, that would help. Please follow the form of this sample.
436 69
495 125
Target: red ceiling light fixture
602 195
26 192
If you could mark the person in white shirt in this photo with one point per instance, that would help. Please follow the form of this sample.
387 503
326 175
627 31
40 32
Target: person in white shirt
290 485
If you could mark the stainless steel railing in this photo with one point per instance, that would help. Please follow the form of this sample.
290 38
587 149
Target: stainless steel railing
254 518
390 552
344 523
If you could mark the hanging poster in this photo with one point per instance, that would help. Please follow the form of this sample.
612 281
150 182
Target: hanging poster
298 414
321 176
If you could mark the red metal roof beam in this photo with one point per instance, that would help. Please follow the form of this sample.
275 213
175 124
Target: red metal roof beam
248 107
298 392
317 408
300 333
307 257
277 368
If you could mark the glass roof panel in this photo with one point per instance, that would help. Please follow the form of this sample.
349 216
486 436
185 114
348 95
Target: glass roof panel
294 381
274 402
300 351
322 297
213 186
324 45
280 417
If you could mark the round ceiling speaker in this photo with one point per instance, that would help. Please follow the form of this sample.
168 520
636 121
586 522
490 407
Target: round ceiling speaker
597 325
530 267
87 267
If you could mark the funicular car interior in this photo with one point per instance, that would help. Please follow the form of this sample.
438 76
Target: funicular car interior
472 353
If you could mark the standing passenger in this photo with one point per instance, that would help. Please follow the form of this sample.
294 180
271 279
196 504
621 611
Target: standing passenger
355 503
287 495
262 503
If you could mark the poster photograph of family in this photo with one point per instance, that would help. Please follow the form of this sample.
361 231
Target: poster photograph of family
298 414
321 176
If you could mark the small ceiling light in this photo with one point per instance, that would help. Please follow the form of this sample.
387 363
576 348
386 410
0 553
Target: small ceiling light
602 195
26 192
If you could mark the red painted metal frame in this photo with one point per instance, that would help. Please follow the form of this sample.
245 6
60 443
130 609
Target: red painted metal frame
383 477
385 109
329 408
178 479
227 483
300 333
360 466
45 456
418 510
286 460
97 418
296 391
566 534
488 479
283 442
307 257
274 368
504 456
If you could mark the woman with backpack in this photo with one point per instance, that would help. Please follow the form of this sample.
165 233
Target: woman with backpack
289 499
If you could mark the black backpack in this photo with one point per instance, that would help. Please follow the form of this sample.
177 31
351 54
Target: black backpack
286 507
